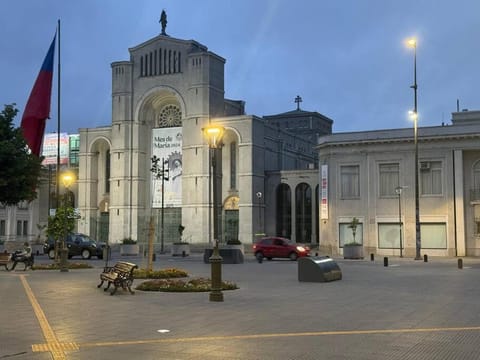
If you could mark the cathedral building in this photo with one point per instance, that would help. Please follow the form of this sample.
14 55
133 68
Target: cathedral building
163 98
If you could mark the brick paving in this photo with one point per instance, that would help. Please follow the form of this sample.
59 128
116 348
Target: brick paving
408 310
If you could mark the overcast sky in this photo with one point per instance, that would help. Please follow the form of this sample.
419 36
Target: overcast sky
346 59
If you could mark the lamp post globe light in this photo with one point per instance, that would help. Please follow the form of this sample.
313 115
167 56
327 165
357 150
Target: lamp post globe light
413 44
68 179
259 197
214 135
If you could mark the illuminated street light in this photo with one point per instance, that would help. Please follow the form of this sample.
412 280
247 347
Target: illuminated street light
68 179
413 44
214 135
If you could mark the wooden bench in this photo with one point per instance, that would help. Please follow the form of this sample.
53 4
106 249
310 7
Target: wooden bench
5 260
10 261
120 275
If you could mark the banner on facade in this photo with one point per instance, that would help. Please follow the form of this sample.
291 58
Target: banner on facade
324 188
167 146
50 145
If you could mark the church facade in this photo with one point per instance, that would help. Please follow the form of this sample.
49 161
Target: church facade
163 98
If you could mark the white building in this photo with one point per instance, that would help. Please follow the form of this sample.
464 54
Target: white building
364 170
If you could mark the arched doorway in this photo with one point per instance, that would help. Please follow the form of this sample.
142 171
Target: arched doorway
303 213
231 218
284 211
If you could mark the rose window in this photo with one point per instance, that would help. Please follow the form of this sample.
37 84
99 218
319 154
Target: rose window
169 116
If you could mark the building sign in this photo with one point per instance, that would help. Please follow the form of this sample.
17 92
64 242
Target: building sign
49 149
167 146
324 188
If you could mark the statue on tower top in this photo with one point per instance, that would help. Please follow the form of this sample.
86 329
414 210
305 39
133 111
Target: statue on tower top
163 21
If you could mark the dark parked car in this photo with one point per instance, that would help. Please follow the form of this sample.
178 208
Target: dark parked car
78 245
278 247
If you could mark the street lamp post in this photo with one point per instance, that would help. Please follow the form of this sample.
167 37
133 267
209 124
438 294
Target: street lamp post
214 136
259 197
67 180
398 190
164 175
159 172
413 44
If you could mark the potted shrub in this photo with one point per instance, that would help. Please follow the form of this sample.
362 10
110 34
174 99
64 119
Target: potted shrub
129 247
353 250
180 248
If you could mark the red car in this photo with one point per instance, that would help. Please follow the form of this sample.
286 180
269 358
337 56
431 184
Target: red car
278 247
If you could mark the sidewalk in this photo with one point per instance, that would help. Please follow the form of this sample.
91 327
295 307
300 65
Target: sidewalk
408 310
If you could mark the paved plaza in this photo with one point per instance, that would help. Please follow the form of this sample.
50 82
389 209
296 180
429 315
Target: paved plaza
408 310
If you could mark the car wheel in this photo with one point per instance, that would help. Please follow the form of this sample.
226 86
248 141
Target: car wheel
86 254
293 256
259 257
99 257
51 254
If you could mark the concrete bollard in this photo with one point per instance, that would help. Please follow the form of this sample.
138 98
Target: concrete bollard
425 258
460 263
372 257
385 261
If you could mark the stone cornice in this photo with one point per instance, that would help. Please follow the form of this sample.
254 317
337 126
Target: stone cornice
425 134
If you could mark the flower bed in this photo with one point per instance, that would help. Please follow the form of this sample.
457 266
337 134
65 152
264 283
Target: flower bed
55 266
159 274
180 285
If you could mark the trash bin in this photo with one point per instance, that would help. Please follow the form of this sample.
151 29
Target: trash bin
318 269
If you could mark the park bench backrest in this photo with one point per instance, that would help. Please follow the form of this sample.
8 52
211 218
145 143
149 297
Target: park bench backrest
124 267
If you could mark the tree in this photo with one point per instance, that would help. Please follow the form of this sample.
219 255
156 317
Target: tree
19 168
353 225
61 224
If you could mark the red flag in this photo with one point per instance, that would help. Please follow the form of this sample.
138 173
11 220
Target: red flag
37 110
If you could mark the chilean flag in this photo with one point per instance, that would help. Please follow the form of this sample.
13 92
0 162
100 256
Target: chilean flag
37 110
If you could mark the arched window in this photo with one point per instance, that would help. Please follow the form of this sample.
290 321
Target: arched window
303 213
317 214
476 176
107 172
284 211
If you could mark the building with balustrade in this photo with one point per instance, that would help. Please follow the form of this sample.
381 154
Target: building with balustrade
369 175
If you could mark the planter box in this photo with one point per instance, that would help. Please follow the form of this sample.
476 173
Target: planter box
129 249
229 256
353 252
236 246
180 250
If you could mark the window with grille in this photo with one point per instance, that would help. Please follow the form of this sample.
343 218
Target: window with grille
431 178
389 179
350 181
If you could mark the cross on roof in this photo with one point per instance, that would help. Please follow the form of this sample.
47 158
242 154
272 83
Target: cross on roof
298 100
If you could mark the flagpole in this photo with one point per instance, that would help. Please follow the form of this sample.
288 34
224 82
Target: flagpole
58 121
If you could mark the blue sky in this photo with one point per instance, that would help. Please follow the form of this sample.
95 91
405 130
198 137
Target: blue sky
346 59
